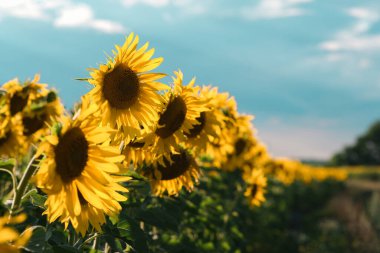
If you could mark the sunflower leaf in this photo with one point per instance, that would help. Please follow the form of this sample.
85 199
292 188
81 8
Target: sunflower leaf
37 242
7 164
38 200
131 232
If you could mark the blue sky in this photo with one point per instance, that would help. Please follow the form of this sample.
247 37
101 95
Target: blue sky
308 70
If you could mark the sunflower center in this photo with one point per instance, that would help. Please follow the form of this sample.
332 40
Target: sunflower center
5 138
240 145
18 102
136 144
71 154
181 163
121 87
33 124
173 117
197 129
254 190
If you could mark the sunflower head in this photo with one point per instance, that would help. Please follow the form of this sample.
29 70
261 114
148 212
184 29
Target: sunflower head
256 185
125 91
21 95
12 141
174 174
79 172
181 112
209 126
42 113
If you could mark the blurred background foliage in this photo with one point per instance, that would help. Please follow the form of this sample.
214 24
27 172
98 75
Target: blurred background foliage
365 151
217 218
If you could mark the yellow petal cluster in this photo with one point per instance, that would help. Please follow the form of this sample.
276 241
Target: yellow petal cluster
10 240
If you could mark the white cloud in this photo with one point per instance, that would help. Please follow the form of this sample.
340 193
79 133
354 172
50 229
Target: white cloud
270 9
61 13
28 9
193 7
81 15
153 3
356 38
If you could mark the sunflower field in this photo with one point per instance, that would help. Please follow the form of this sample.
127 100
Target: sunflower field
139 165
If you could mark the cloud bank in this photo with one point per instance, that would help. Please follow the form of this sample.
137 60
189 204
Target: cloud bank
272 9
61 13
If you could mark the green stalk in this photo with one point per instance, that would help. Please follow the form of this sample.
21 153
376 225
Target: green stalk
22 185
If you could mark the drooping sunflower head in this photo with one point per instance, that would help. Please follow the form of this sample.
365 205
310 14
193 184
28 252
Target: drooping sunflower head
227 105
242 144
209 126
79 173
125 91
136 152
12 141
181 171
10 240
256 185
40 115
243 140
181 112
20 96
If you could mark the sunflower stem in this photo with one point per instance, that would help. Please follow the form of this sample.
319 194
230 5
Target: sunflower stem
29 171
93 237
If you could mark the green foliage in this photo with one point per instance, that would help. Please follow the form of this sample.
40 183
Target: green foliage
365 151
215 217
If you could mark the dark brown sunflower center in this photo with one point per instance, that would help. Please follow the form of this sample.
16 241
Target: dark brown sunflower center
254 190
240 145
173 117
197 129
121 87
181 163
136 144
18 102
5 138
33 124
71 154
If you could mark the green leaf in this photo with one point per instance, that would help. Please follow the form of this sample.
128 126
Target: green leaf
134 175
82 79
38 242
65 249
158 217
131 232
38 200
7 164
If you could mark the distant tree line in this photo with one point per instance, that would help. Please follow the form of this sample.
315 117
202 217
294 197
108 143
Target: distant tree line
365 151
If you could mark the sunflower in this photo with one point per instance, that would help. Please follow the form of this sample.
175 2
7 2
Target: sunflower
209 126
4 116
283 169
125 91
136 151
42 113
225 111
10 240
181 113
12 141
78 173
256 185
227 104
218 150
20 96
180 171
243 142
